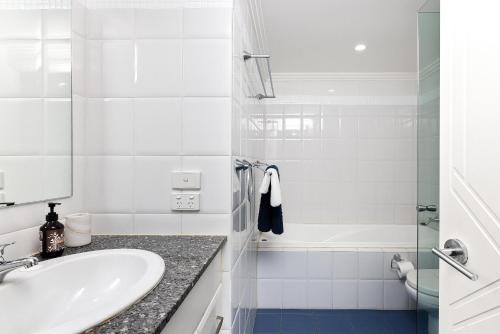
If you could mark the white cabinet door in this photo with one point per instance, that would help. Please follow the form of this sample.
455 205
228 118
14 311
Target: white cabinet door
470 163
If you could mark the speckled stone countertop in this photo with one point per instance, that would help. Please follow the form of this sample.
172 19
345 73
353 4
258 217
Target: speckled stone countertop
186 258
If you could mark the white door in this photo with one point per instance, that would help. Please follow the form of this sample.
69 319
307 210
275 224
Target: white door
470 163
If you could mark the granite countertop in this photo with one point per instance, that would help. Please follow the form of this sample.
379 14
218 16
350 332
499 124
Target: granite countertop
186 258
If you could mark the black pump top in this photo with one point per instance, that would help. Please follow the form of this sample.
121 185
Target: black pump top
52 216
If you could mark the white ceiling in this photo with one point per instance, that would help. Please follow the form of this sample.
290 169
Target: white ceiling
320 35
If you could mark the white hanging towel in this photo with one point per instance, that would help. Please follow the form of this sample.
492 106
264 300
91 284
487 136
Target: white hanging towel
271 178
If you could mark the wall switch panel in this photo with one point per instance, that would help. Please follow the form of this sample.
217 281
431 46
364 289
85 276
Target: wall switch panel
2 179
2 197
186 180
186 202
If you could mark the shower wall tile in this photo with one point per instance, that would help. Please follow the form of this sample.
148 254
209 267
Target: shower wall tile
112 184
56 24
215 196
156 126
20 24
206 126
207 67
115 224
207 22
118 64
110 23
358 160
152 183
158 23
157 224
109 125
247 141
159 67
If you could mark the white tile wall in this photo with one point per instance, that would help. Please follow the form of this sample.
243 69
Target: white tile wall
141 126
247 137
344 164
162 98
132 66
206 126
156 126
337 279
159 67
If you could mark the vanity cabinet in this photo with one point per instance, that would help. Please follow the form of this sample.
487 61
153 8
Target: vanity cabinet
199 312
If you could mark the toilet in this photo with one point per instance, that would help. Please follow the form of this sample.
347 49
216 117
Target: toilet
428 294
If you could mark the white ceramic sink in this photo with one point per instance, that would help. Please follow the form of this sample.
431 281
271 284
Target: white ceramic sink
73 293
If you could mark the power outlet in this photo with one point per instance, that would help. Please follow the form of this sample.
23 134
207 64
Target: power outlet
186 202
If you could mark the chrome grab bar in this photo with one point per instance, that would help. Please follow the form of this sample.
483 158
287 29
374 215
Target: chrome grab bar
455 254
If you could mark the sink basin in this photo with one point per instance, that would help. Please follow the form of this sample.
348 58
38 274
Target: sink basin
73 293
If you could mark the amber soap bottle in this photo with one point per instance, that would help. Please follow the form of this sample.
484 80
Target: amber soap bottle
52 235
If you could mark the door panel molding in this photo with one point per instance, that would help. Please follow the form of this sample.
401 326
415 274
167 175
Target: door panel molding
479 211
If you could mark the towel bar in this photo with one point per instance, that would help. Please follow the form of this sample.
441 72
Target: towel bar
264 95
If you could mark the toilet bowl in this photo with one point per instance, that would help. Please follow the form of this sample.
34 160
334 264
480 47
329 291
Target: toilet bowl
428 294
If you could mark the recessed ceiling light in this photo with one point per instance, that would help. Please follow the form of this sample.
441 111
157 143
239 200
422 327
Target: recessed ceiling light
331 90
360 47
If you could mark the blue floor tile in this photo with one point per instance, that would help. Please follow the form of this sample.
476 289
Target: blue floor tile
269 311
297 323
335 322
298 311
369 322
267 323
401 322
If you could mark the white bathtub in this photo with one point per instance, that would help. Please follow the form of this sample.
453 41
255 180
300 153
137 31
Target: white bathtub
346 236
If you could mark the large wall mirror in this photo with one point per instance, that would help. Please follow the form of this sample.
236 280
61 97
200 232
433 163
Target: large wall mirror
35 101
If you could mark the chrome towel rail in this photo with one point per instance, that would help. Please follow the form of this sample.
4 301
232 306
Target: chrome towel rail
265 94
245 164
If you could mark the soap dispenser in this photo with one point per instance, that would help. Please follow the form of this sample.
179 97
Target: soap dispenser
52 235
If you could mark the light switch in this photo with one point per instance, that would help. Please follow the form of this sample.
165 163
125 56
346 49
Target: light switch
185 202
186 180
2 180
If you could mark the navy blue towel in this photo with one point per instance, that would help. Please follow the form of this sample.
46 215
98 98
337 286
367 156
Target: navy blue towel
270 218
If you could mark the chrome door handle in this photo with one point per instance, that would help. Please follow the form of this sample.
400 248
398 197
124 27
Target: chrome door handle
455 254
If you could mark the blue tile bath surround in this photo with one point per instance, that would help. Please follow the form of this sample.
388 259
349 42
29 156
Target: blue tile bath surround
275 321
